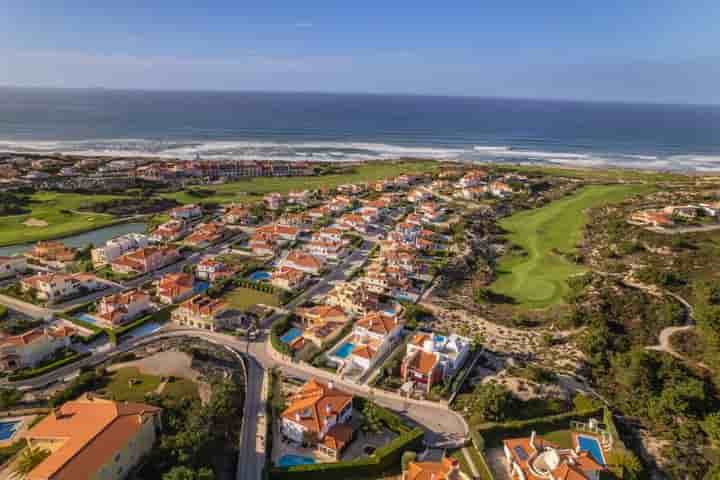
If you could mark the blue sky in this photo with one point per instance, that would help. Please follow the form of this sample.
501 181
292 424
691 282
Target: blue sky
660 51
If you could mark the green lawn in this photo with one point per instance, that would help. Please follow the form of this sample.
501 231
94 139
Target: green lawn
180 388
538 279
59 211
119 388
252 189
242 298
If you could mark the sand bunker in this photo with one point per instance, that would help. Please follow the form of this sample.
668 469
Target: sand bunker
34 222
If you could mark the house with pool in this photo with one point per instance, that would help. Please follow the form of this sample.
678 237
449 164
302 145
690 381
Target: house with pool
432 357
123 307
533 458
30 348
175 287
319 415
322 323
373 336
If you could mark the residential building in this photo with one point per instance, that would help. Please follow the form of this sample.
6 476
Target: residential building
117 247
302 197
353 297
30 348
239 215
533 458
52 287
429 358
11 266
446 469
201 312
273 201
207 234
285 233
326 249
328 234
373 336
123 307
261 245
170 231
655 218
472 179
93 438
146 260
175 287
186 212
322 323
52 253
304 262
213 270
319 414
288 278
418 195
500 189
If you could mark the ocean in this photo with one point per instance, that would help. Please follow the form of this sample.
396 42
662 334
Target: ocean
349 127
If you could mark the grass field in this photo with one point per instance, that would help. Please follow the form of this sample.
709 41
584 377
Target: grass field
252 189
242 298
537 279
119 387
59 211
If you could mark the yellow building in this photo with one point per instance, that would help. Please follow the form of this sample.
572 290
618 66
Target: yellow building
94 439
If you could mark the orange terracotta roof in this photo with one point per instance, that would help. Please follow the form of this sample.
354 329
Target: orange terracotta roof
338 436
91 431
445 469
424 362
314 403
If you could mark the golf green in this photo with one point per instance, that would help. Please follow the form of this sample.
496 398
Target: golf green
537 277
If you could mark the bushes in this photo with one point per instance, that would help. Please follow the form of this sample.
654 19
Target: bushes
35 372
3 312
278 328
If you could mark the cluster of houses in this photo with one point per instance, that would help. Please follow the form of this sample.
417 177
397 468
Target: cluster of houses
670 215
478 184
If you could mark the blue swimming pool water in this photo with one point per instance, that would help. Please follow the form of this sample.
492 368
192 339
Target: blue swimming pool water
292 460
592 446
290 335
145 329
200 287
439 338
7 430
344 350
86 318
259 275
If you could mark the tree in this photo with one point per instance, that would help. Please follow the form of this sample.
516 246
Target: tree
185 473
30 458
711 426
407 457
626 460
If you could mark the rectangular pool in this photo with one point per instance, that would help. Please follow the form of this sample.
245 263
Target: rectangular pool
292 460
592 446
290 335
86 318
8 429
344 350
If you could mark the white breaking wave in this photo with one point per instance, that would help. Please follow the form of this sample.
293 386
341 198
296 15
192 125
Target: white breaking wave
333 151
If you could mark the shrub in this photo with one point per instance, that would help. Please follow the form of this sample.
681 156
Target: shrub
35 372
407 458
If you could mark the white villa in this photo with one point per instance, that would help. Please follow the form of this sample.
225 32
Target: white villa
118 247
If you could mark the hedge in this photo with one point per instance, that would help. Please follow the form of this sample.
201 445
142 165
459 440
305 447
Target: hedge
383 459
35 372
279 327
493 433
162 316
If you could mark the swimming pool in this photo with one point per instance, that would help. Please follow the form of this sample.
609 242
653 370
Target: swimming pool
592 446
292 460
259 275
200 287
8 429
145 329
86 318
290 335
344 350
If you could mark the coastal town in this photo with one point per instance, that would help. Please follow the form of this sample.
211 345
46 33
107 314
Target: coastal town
365 320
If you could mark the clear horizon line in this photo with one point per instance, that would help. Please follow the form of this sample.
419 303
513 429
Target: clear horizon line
360 93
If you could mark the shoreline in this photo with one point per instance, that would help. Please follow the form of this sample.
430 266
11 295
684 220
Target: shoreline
516 163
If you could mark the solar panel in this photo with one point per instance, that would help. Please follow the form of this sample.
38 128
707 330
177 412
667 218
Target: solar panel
521 453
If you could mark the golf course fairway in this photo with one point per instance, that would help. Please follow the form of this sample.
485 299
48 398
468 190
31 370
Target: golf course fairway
538 279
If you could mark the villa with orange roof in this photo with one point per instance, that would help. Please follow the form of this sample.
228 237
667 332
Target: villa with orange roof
169 231
238 215
207 234
322 323
285 233
319 414
373 336
93 438
533 458
201 312
304 262
213 270
273 201
146 260
122 307
353 297
175 287
30 348
52 287
288 278
446 469
53 254
431 357
472 179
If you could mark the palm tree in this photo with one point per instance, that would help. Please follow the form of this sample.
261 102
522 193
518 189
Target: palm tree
30 458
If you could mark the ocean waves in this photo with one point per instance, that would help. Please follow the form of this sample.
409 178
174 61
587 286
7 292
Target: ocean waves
331 151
